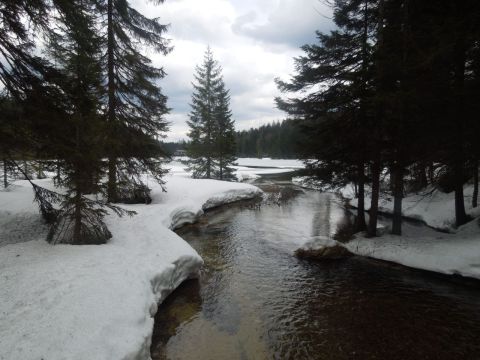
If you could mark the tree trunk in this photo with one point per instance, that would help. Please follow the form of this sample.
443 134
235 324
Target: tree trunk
360 223
431 173
397 199
460 214
78 219
112 156
458 112
5 174
112 180
209 165
57 182
475 184
422 174
372 224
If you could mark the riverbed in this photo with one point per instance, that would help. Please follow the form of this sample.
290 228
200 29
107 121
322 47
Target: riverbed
255 300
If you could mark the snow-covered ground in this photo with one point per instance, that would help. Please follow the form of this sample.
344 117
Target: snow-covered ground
456 252
97 302
247 168
433 207
424 248
268 162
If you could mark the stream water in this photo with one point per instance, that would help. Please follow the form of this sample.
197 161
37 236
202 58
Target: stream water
255 300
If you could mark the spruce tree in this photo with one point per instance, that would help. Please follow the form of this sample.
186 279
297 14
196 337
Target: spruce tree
212 142
74 46
135 105
224 136
335 113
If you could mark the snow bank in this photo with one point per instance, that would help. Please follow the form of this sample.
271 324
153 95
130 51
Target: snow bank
247 169
433 207
423 248
268 162
97 302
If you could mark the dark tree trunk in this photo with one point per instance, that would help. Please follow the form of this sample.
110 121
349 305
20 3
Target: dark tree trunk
209 166
431 173
459 115
360 223
372 224
78 219
460 214
112 157
5 174
422 174
397 199
57 182
475 184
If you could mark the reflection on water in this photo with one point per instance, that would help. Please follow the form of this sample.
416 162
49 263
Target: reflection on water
256 301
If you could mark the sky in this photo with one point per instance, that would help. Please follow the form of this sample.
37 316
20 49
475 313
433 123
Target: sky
254 41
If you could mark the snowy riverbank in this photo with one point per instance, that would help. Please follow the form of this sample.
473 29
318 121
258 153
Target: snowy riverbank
422 247
434 207
97 302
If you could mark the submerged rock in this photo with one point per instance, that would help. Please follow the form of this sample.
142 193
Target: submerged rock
322 248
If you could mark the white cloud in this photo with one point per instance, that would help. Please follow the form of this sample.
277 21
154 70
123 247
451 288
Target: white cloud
254 42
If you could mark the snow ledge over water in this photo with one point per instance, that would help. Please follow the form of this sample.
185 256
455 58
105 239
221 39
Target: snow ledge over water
97 302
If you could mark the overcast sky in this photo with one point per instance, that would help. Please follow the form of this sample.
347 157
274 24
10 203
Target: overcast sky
253 40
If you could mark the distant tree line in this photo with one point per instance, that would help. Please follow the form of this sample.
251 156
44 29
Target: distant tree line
87 107
277 140
391 94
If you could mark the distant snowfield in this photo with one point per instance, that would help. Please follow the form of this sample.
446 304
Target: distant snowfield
97 302
247 168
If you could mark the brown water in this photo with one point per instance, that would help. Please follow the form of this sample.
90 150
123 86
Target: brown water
256 301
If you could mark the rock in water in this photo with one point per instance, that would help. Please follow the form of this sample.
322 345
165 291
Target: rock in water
322 248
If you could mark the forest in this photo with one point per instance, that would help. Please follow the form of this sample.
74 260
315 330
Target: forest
278 140
392 94
347 230
86 103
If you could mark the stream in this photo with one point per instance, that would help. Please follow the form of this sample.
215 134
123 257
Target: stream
255 300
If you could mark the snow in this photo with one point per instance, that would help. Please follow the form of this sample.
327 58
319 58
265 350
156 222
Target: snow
97 302
421 247
424 248
247 169
268 162
319 242
432 206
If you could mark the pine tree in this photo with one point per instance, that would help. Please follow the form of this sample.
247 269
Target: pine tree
336 76
224 135
212 146
135 103
74 46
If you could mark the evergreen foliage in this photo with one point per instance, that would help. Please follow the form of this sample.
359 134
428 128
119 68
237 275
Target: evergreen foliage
74 47
135 105
58 105
277 140
212 135
376 95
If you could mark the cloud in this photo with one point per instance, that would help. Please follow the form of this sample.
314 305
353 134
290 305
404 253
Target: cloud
254 42
291 22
